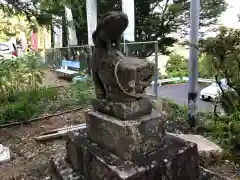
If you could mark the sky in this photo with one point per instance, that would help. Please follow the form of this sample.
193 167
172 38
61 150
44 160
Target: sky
229 18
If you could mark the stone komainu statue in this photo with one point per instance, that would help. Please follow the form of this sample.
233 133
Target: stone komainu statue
119 81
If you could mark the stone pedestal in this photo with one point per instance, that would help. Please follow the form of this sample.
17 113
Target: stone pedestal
126 139
176 160
114 149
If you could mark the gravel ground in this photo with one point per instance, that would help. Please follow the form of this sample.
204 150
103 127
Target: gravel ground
29 158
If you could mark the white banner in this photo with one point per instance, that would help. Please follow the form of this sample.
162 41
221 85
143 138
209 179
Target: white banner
57 32
128 8
91 6
72 37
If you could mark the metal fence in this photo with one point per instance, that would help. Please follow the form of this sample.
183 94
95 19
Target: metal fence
147 50
54 56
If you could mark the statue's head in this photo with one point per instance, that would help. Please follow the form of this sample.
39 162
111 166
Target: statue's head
113 24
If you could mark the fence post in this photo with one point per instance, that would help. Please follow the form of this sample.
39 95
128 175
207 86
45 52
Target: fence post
90 53
156 70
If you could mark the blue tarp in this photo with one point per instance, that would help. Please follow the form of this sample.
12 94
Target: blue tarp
72 64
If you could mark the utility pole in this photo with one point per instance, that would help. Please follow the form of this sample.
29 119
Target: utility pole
193 63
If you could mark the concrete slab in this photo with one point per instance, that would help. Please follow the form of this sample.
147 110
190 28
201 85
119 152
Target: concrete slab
4 154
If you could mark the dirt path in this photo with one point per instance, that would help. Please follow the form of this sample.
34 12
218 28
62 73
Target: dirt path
51 79
29 158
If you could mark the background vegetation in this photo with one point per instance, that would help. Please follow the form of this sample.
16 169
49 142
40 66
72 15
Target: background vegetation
155 19
23 97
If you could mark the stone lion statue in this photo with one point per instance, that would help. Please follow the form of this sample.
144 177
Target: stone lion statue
119 81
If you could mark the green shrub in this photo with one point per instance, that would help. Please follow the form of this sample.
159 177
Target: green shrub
26 104
83 91
19 111
225 131
177 66
29 103
19 74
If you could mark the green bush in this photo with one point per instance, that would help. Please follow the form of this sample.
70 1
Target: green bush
18 111
26 104
83 91
177 66
225 131
19 74
21 97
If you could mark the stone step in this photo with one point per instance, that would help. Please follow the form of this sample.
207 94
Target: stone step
209 152
61 170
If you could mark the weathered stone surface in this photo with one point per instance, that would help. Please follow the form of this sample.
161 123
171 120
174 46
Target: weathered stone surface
209 152
63 171
123 110
4 154
177 160
127 139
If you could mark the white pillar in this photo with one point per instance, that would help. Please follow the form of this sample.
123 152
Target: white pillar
193 62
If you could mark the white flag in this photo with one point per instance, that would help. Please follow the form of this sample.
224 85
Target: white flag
91 6
72 37
128 8
57 32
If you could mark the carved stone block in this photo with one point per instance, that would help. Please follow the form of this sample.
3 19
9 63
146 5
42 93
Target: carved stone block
127 139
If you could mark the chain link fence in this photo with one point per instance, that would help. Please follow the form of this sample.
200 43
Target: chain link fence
54 56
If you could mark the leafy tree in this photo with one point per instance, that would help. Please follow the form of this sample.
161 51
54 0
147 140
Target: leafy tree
11 26
205 66
155 19
177 66
224 53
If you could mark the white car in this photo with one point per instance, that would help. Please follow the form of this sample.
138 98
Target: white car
213 92
7 50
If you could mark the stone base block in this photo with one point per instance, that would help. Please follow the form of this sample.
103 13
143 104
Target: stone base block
127 139
60 170
123 110
177 160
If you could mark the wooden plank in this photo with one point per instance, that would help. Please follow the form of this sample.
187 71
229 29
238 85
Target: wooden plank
57 134
61 129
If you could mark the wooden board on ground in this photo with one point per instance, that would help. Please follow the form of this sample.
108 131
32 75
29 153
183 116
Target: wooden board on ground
60 132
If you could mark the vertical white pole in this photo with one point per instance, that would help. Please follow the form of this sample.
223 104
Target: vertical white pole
156 71
124 45
193 63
